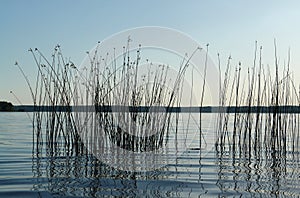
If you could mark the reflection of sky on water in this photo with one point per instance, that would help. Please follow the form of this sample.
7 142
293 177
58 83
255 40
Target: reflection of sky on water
24 172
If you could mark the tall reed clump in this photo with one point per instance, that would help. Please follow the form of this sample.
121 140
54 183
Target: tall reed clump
107 101
140 103
53 94
263 108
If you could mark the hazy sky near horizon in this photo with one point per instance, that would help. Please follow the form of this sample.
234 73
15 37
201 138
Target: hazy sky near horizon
230 27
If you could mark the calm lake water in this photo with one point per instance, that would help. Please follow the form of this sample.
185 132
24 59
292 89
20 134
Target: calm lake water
26 173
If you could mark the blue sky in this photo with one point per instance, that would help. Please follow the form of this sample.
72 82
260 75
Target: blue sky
231 27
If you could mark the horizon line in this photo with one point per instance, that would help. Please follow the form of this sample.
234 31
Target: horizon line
144 109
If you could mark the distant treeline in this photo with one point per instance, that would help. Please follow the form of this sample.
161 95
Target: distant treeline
6 106
205 109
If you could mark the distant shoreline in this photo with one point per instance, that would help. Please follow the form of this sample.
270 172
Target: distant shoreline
204 109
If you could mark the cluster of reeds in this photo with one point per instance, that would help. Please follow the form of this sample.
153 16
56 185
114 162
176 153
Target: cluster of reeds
258 126
107 101
139 119
114 104
263 108
53 94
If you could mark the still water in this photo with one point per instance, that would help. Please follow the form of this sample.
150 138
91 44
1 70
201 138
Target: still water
26 173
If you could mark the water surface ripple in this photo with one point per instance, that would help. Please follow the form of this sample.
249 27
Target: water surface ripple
26 173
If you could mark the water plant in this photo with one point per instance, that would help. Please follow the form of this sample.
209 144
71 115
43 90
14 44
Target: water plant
115 100
264 115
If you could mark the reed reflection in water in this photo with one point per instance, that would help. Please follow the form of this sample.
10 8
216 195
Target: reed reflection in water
216 173
71 172
261 170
